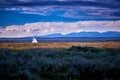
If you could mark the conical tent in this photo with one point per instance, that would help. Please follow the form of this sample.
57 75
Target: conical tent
34 40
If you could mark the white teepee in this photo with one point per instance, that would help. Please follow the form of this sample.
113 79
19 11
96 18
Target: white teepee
34 40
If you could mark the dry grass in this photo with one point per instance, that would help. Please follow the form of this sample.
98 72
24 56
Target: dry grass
111 44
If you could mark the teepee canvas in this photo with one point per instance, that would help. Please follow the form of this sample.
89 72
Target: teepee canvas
34 40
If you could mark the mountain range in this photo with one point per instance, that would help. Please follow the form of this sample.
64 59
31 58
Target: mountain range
86 34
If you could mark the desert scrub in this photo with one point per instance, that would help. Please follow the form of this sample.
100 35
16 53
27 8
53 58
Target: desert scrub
75 63
85 49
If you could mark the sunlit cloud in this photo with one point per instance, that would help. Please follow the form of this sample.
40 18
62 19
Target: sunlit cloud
45 28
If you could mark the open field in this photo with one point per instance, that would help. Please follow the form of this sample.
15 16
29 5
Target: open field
110 44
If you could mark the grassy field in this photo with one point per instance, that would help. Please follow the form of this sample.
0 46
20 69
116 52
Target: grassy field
110 44
60 61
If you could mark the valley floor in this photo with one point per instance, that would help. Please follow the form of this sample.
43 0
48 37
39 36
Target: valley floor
19 46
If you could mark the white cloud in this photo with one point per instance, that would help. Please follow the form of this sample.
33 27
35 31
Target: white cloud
31 10
44 28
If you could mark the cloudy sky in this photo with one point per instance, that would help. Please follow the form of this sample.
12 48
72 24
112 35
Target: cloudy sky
20 18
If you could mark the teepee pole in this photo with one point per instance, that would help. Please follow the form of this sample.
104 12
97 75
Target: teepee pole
34 40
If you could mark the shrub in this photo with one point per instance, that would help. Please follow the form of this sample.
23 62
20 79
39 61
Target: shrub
75 63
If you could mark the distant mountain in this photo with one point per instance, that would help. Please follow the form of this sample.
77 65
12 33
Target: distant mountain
86 34
54 35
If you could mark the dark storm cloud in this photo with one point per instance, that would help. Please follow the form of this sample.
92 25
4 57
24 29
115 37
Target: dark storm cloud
97 3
